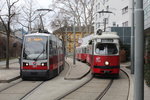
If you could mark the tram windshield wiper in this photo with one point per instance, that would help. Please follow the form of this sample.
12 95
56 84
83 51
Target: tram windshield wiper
39 55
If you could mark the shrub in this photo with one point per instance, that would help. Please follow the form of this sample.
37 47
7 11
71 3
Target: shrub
147 74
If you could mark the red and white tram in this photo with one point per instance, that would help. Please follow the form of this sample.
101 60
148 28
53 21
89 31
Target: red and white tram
81 53
102 53
42 56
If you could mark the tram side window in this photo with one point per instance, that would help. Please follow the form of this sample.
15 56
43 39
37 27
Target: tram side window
50 47
87 50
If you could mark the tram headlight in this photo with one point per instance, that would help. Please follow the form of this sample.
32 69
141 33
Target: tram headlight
106 63
43 64
25 64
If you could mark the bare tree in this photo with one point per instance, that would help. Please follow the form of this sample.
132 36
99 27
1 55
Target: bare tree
6 19
28 15
81 10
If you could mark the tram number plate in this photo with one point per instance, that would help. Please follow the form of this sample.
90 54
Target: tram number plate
106 71
34 66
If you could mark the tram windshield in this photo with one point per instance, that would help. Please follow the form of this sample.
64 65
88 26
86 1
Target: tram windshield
106 49
35 47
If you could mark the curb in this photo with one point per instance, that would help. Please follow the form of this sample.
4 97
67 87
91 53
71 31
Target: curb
78 78
10 80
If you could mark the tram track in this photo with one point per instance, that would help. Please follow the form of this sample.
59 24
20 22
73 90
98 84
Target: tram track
105 90
90 90
99 89
19 90
120 89
129 82
32 90
10 86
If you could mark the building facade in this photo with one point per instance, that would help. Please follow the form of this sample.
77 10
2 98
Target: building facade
146 7
80 32
119 14
68 33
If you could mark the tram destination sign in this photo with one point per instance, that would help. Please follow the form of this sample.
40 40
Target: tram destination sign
107 40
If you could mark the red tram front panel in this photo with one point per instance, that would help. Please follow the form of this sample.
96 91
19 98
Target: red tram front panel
106 65
32 65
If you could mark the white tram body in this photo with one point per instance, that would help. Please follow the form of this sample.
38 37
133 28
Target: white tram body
42 56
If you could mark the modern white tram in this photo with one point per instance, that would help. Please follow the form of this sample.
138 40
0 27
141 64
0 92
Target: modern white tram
42 56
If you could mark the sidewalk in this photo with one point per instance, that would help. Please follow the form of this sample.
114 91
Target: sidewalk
8 75
2 63
146 88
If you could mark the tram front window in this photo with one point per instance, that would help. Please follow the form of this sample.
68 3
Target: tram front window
106 48
35 48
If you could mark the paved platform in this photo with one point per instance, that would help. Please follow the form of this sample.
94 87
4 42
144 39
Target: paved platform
77 70
8 75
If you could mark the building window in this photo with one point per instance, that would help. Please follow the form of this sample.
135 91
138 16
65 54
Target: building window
98 5
99 15
107 8
96 16
105 20
125 10
114 24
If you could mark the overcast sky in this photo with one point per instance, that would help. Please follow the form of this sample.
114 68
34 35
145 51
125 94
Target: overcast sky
45 4
40 3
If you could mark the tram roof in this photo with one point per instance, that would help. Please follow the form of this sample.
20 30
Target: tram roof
111 35
36 34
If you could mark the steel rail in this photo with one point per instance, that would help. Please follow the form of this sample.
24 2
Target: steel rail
23 97
105 90
11 86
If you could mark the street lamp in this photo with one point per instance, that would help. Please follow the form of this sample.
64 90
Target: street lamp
74 51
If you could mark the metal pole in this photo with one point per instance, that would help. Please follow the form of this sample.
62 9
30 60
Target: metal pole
66 41
74 50
41 24
139 51
132 39
104 24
